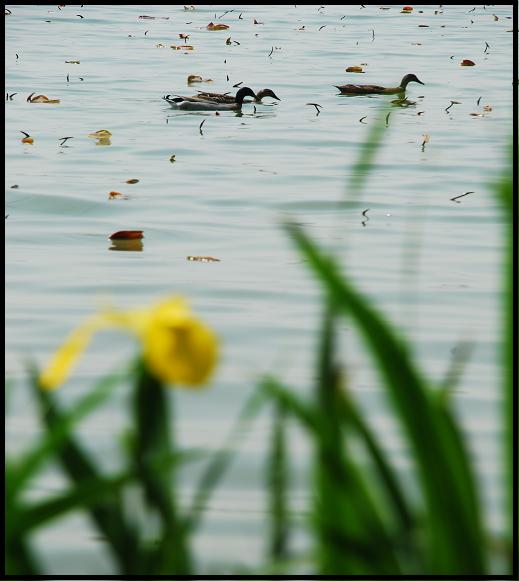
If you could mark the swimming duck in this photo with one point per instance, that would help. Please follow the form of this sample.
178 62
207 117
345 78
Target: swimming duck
226 98
367 89
198 104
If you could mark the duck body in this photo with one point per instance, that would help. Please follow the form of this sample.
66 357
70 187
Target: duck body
226 98
377 89
199 104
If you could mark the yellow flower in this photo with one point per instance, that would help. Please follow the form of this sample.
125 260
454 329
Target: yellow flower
176 346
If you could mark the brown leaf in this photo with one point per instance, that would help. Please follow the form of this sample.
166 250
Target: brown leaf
467 63
212 26
117 195
126 235
132 181
354 69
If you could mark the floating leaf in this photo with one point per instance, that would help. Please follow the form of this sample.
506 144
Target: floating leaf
407 9
126 235
72 62
354 69
467 63
182 47
117 195
42 99
212 26
101 134
203 258
132 181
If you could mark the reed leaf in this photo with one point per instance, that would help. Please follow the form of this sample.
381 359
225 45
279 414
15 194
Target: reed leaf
455 536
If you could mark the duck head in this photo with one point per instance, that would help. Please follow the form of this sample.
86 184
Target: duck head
266 93
244 92
408 79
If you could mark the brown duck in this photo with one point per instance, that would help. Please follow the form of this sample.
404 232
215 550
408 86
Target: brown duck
376 89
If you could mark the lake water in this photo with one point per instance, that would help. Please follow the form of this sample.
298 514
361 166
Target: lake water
432 264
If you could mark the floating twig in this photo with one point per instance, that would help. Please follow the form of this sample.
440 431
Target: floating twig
240 16
373 35
455 199
316 105
63 139
254 113
425 140
364 213
17 55
487 46
68 79
322 26
452 103
12 95
80 16
200 128
238 84
361 120
271 51
387 118
478 101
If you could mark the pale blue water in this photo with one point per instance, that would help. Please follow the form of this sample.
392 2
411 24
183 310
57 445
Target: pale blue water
433 265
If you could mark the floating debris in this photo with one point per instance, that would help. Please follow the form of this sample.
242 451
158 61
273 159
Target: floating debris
126 235
354 69
72 62
452 103
182 47
212 26
256 22
200 127
455 199
426 138
173 158
361 120
64 139
117 196
387 118
467 63
203 258
101 134
27 138
41 99
132 181
317 107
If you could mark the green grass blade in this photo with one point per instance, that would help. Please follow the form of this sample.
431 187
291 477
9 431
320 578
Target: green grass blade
277 487
26 467
349 525
88 493
108 516
456 537
154 440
